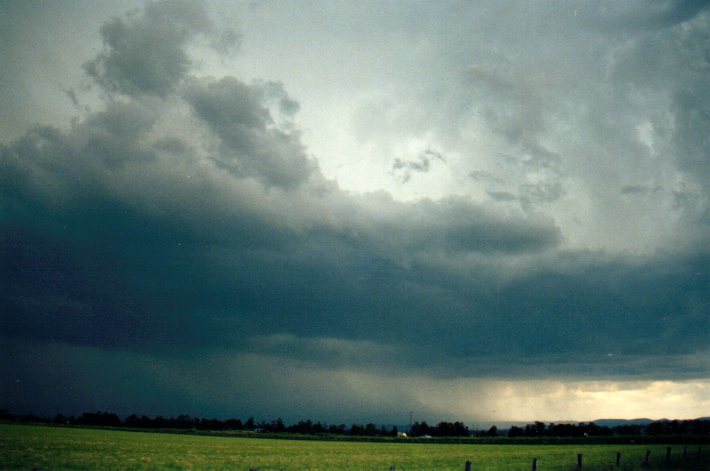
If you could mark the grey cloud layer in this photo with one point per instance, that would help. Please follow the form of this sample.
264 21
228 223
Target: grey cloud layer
145 55
187 219
234 111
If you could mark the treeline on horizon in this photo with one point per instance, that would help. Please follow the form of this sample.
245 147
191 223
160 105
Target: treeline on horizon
590 429
418 429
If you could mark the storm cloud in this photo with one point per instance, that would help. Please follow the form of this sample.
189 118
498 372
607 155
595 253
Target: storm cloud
187 228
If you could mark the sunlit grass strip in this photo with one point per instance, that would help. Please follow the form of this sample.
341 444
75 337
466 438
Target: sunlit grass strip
31 446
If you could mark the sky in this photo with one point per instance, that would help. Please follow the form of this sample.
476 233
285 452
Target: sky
346 211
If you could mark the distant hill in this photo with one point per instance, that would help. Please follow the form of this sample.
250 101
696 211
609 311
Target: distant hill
619 422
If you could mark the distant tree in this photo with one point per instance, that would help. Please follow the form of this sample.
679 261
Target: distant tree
303 427
420 429
60 419
357 430
537 429
160 422
131 421
319 428
337 429
234 424
442 429
215 424
277 426
184 422
249 424
699 427
105 419
446 429
460 430
370 430
628 429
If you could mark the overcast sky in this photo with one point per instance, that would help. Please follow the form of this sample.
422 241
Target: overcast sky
346 211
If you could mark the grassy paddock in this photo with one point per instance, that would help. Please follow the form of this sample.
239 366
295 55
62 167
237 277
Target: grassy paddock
45 447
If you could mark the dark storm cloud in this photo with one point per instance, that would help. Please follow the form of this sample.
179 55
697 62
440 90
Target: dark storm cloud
89 264
457 226
119 234
187 221
95 260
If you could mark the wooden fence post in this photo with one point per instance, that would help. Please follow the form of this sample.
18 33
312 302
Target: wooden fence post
534 465
618 458
468 466
579 460
647 462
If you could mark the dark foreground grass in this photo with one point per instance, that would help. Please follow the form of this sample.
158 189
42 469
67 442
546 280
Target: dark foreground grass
57 448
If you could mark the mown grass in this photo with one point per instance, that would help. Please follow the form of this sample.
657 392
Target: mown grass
58 448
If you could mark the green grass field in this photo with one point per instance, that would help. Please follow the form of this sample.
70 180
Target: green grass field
52 448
